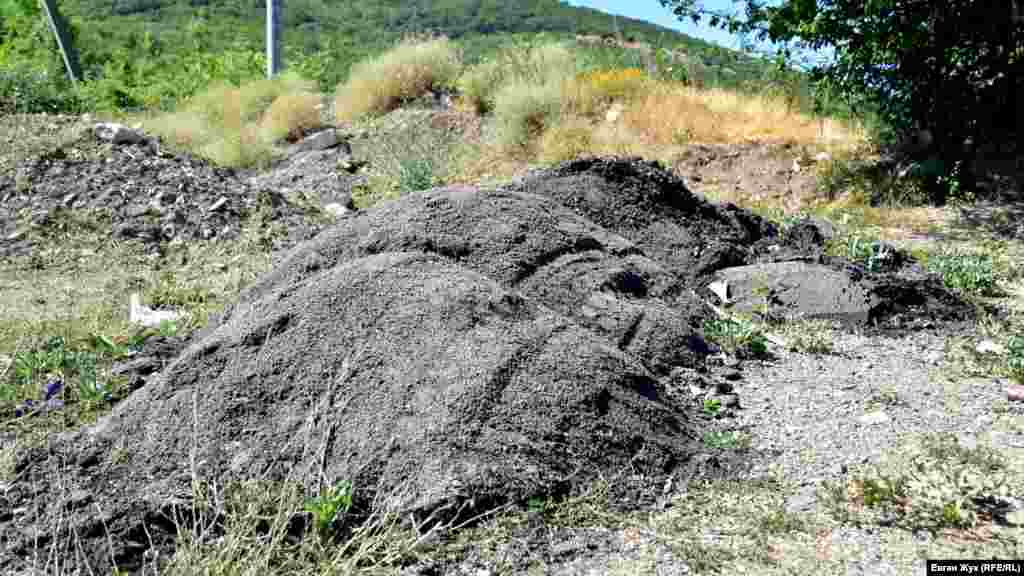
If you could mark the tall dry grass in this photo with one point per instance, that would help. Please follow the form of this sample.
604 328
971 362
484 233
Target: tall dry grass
380 84
681 114
238 125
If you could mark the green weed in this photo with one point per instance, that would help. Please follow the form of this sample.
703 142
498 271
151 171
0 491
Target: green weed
726 440
329 508
930 485
972 274
1015 359
737 336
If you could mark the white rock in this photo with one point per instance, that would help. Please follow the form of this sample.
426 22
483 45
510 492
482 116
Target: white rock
720 288
139 314
117 133
933 357
613 113
335 209
872 418
990 347
796 166
320 141
220 203
822 157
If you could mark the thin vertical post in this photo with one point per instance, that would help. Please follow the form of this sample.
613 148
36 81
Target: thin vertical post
273 37
60 33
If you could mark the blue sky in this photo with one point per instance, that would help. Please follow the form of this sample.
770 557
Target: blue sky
653 11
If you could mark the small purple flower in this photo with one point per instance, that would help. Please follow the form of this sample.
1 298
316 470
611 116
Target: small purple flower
53 387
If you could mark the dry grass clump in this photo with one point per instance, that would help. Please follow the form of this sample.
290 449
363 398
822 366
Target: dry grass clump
238 125
380 84
570 138
679 114
523 65
523 111
592 92
291 116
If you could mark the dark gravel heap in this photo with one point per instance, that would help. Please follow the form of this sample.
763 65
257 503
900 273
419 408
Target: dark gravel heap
137 193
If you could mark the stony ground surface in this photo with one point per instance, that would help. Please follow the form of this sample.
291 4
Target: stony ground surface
757 505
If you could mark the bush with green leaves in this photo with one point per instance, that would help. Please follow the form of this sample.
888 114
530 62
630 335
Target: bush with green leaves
24 90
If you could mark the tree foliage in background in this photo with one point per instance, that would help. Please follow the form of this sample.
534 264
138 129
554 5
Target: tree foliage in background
954 67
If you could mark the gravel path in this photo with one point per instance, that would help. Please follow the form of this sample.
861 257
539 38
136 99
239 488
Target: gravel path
820 413
815 417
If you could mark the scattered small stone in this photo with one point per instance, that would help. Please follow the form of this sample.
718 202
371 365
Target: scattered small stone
1015 518
1015 393
336 209
730 361
613 113
729 400
803 501
873 418
720 288
117 133
731 374
319 141
220 203
989 347
933 357
145 316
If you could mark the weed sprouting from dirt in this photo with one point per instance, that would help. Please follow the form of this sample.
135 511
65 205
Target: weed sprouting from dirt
972 274
932 484
737 336
1015 357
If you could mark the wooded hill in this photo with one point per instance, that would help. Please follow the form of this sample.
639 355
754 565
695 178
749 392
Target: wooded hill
183 45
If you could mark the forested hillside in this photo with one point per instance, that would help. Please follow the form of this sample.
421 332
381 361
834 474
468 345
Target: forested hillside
151 53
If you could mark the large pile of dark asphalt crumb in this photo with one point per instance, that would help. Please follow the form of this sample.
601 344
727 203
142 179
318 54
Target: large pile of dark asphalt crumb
447 351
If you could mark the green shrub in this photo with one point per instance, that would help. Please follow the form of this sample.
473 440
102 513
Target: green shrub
24 90
972 274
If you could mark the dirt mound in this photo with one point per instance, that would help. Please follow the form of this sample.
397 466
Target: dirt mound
446 351
135 192
652 207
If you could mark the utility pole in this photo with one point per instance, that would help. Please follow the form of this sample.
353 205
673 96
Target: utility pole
60 33
274 63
